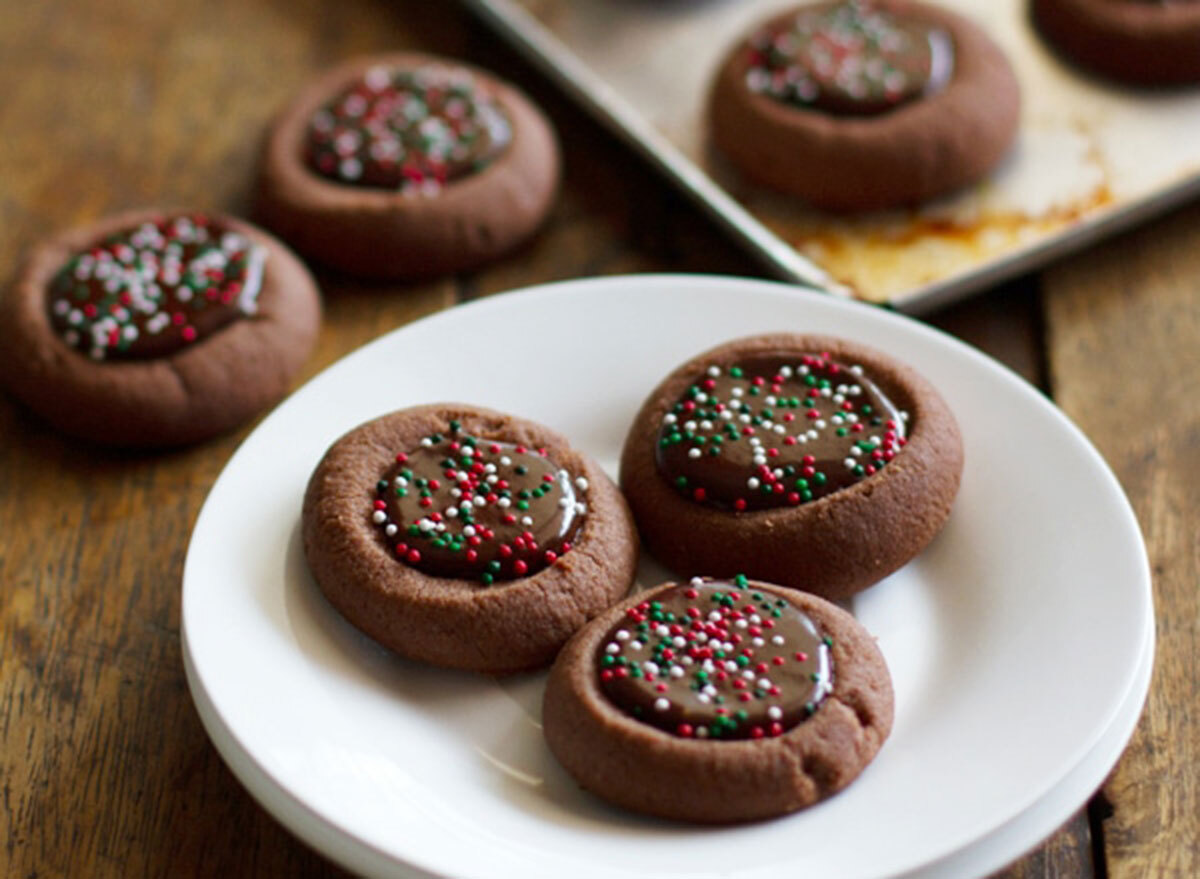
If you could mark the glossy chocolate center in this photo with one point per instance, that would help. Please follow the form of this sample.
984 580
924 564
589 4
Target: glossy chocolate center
850 59
468 508
151 290
775 431
716 659
407 130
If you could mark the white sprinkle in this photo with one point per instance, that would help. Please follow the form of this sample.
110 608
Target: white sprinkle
677 671
581 483
390 530
777 639
379 517
612 647
622 635
696 581
526 520
636 645
714 371
850 463
694 453
469 531
752 483
774 712
505 460
504 503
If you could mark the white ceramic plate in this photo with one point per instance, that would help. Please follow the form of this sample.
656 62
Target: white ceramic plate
1018 641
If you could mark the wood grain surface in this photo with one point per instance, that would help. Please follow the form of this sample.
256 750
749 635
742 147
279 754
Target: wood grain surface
104 767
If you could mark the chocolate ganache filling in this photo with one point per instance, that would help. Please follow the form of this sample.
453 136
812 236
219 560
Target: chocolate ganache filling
849 59
469 508
716 660
151 290
407 130
777 431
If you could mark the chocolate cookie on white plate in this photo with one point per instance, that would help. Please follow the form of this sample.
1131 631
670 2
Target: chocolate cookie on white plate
718 701
808 461
466 538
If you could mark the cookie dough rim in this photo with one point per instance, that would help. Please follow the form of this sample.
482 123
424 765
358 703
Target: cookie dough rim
391 586
76 394
762 125
291 195
929 419
1101 36
575 707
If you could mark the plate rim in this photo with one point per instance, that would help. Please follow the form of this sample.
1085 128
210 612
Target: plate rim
326 825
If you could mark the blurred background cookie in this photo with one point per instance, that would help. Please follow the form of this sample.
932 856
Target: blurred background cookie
1142 42
865 104
407 165
157 328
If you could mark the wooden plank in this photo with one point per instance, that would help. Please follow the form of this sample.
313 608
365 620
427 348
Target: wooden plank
1123 331
106 770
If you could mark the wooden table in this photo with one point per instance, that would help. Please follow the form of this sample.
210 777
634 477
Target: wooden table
104 767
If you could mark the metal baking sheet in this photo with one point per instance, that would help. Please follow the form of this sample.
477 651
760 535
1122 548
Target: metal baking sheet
1091 158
